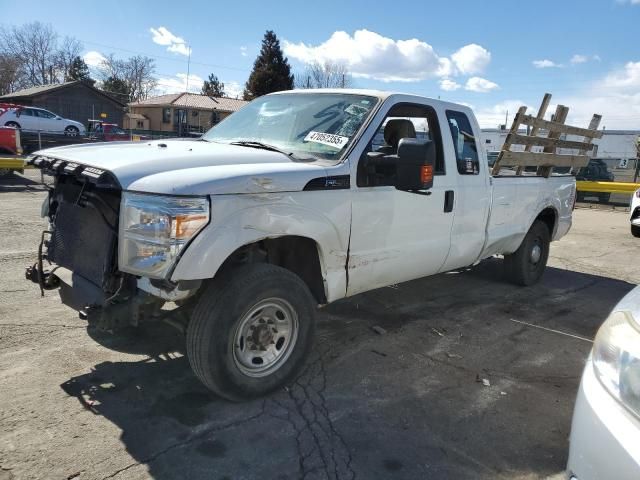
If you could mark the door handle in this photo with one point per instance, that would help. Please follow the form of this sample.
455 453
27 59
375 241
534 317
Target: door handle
448 201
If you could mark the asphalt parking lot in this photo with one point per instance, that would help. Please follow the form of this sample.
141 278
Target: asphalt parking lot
408 404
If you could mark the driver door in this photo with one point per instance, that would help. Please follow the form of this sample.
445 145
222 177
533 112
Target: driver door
395 235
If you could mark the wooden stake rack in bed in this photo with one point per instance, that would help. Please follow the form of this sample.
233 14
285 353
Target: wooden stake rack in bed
555 128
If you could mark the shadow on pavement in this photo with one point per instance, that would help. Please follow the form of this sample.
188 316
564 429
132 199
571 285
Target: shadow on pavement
409 403
17 183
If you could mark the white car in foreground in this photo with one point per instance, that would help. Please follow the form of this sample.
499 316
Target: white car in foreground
634 213
39 119
606 421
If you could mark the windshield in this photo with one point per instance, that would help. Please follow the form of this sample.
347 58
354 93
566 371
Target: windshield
319 125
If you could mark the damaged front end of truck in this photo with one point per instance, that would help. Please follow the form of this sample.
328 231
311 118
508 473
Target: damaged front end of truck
78 253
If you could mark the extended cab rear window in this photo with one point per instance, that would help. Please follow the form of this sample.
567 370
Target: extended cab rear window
464 143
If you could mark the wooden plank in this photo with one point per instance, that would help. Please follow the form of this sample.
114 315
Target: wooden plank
530 141
542 111
568 129
517 120
533 159
559 117
593 125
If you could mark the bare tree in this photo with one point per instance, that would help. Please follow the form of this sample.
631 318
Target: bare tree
68 51
137 73
325 75
35 45
12 76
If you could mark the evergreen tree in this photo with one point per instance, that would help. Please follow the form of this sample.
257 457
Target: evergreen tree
78 70
213 87
118 88
271 70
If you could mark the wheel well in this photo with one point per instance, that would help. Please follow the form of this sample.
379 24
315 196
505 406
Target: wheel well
297 254
549 217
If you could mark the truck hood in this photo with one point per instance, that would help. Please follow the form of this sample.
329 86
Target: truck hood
192 167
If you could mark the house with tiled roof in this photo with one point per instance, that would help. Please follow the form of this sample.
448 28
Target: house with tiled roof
184 112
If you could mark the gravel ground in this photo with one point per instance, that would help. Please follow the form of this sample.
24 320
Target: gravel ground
409 403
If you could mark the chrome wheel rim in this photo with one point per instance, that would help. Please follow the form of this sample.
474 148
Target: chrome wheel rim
536 254
265 337
72 132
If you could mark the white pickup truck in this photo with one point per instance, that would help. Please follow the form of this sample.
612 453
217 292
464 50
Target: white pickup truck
299 199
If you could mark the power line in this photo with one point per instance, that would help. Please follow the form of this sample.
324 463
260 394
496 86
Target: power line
173 59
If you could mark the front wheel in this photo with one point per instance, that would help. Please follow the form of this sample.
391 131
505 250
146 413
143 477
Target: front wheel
635 230
251 331
526 265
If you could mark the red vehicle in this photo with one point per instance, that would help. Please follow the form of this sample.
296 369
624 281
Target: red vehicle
110 132
10 141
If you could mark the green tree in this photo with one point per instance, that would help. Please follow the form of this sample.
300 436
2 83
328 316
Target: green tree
271 70
78 70
117 88
213 87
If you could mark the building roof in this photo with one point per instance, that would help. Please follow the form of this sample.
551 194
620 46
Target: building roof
192 100
135 116
35 91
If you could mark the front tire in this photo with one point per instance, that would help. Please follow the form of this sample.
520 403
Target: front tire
251 331
527 264
635 230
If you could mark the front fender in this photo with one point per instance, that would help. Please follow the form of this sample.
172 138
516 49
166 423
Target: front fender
238 220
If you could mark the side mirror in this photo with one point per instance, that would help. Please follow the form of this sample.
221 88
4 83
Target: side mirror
415 164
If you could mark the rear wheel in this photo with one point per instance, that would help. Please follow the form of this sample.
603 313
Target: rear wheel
526 265
71 131
635 230
12 124
251 331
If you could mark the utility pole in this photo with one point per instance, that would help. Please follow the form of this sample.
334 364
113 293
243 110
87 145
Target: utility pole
188 66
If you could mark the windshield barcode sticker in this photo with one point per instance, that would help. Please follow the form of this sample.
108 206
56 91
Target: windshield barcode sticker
329 139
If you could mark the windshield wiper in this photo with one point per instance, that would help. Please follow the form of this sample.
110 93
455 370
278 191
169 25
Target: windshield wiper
265 146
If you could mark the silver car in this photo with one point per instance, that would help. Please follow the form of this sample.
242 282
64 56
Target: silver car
39 119
605 434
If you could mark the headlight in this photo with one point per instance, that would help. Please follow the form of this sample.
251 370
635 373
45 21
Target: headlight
154 229
616 359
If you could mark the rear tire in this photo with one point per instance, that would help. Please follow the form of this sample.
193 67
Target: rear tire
527 264
71 131
251 331
635 230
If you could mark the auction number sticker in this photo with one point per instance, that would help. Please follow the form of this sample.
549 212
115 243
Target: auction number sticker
329 139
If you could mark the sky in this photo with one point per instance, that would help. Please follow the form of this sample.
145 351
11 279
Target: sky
491 55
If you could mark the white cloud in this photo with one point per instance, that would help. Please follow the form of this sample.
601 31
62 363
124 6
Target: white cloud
627 78
546 64
481 85
233 89
243 51
162 36
178 84
471 59
493 116
368 54
93 58
449 85
577 58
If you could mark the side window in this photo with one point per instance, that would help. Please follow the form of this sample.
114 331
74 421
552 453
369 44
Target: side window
464 143
28 112
404 120
45 114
